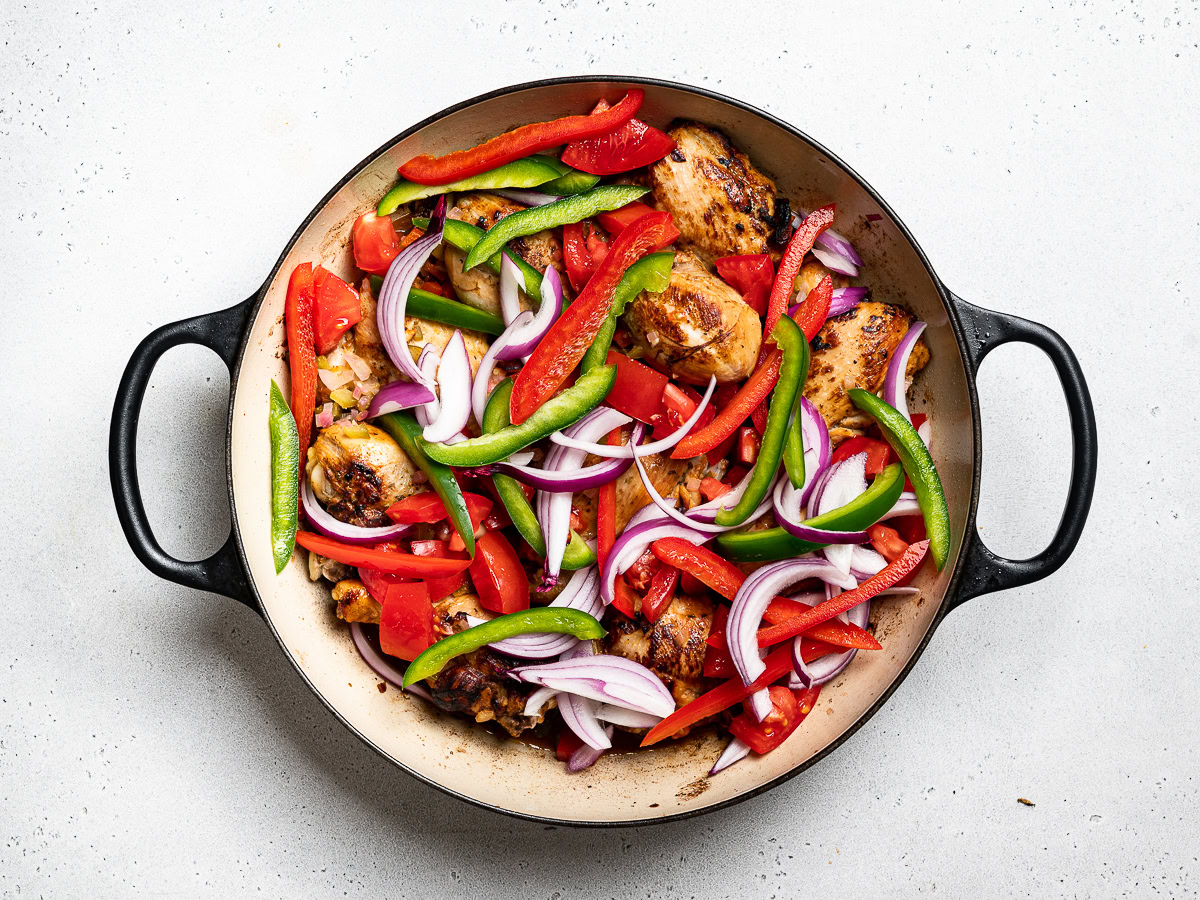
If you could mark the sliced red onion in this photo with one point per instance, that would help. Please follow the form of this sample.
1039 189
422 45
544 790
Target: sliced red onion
572 481
925 433
759 703
578 712
626 717
734 751
580 593
843 300
586 756
510 284
835 262
829 667
393 294
454 392
847 480
428 363
524 338
529 198
632 543
324 418
895 389
326 524
905 506
397 396
836 242
670 510
707 512
625 451
483 378
537 701
789 514
865 562
817 448
753 597
607 679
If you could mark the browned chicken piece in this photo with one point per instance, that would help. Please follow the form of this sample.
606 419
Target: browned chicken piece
810 276
365 339
722 204
477 684
852 351
354 603
481 286
698 327
673 647
357 471
666 475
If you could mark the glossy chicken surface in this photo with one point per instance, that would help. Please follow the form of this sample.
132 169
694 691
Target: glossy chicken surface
698 327
721 203
357 471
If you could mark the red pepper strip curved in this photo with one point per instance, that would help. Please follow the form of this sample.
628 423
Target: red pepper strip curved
383 560
302 354
815 309
720 698
823 612
748 397
725 578
789 266
569 338
519 143
661 593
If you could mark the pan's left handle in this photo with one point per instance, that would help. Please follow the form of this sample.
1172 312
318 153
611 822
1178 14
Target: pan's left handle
221 573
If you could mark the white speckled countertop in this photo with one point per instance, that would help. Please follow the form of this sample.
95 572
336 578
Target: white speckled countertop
154 741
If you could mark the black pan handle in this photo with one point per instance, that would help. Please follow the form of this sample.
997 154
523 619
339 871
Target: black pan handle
222 572
984 571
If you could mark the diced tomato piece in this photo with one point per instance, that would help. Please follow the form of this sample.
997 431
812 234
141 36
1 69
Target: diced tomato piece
877 452
748 445
617 220
336 310
441 587
717 663
375 243
496 572
788 710
427 507
751 275
711 489
584 248
638 390
887 542
406 621
910 528
568 743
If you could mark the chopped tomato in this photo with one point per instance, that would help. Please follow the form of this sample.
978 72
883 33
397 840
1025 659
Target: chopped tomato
406 621
877 452
427 507
638 390
748 445
302 355
335 311
496 572
375 243
568 743
440 587
617 220
690 584
630 146
624 599
584 248
711 489
660 594
910 528
717 663
788 710
750 275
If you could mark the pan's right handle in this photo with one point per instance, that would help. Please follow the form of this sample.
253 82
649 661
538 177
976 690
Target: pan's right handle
221 573
983 570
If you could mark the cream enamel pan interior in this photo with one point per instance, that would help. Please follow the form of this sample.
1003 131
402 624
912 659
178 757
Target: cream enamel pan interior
509 776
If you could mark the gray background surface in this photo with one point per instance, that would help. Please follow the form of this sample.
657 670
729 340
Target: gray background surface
154 159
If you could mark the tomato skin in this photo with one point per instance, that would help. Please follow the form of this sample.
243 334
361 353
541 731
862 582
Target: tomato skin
765 736
568 743
584 248
751 275
427 507
406 621
439 588
877 452
336 310
749 443
375 243
887 542
638 390
617 220
711 489
630 146
497 574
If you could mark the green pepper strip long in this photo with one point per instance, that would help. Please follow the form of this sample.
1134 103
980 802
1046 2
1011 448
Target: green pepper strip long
918 464
562 212
569 181
860 513
520 173
285 477
437 308
555 619
650 273
790 339
407 432
465 236
495 416
558 412
793 444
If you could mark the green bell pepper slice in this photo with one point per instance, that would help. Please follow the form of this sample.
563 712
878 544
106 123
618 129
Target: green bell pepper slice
561 410
918 464
495 417
407 432
569 181
465 236
437 308
555 619
793 443
650 273
285 477
562 212
860 513
790 339
530 172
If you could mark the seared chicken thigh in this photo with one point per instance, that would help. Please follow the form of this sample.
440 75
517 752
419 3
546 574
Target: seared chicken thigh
673 647
357 471
722 204
699 326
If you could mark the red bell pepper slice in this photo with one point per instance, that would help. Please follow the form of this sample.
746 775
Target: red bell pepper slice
749 443
751 275
887 542
560 351
519 143
814 310
584 248
638 390
336 309
823 612
375 558
496 572
789 266
778 663
725 578
406 621
302 356
749 396
375 243
661 593
631 146
624 599
788 710
617 220
427 507
606 512
440 588
878 452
